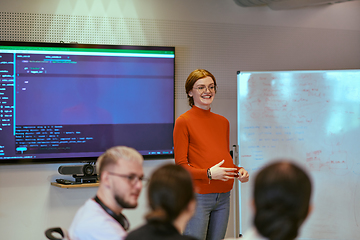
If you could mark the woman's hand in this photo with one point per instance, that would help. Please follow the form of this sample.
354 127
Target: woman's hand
222 173
243 175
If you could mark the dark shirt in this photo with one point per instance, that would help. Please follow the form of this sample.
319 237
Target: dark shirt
156 231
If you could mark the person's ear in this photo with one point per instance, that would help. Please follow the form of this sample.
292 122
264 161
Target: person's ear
311 207
105 178
190 94
252 205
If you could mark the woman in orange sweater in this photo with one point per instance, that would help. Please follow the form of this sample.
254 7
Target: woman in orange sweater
201 145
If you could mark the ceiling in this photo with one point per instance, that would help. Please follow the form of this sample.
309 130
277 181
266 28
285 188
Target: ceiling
287 4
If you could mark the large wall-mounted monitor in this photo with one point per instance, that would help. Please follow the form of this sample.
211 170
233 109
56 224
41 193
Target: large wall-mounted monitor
70 102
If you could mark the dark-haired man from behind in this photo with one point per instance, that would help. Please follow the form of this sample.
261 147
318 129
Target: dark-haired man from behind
281 201
121 175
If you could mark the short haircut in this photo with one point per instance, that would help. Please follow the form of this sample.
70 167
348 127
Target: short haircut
282 194
169 192
111 157
191 80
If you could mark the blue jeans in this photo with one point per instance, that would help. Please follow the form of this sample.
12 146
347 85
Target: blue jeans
211 216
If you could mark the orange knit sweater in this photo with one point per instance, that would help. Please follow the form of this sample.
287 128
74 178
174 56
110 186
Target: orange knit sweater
201 140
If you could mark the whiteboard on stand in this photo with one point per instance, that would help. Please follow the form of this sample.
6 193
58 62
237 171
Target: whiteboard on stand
313 118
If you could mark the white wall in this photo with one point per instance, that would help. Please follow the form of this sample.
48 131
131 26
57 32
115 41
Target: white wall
214 34
335 16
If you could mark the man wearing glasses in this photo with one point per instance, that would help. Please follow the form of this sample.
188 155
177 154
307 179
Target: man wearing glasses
121 175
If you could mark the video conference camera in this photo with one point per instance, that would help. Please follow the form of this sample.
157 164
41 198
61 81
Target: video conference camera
82 173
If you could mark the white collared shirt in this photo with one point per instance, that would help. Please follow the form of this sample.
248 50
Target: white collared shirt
91 222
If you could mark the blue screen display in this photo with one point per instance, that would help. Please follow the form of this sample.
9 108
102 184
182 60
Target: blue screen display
66 102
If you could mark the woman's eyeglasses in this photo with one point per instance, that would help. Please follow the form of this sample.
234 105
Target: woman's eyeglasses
203 88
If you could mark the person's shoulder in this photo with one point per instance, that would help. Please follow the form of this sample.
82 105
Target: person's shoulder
188 238
186 114
91 208
138 233
152 231
93 222
183 118
219 117
177 237
101 228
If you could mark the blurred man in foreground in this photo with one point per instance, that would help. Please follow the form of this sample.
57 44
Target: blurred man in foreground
121 175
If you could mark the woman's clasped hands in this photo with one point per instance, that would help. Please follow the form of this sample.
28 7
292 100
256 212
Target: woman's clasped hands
225 174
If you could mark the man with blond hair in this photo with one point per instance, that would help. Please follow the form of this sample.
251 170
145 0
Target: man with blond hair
121 174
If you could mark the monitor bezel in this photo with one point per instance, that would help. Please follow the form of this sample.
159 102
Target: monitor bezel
79 160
